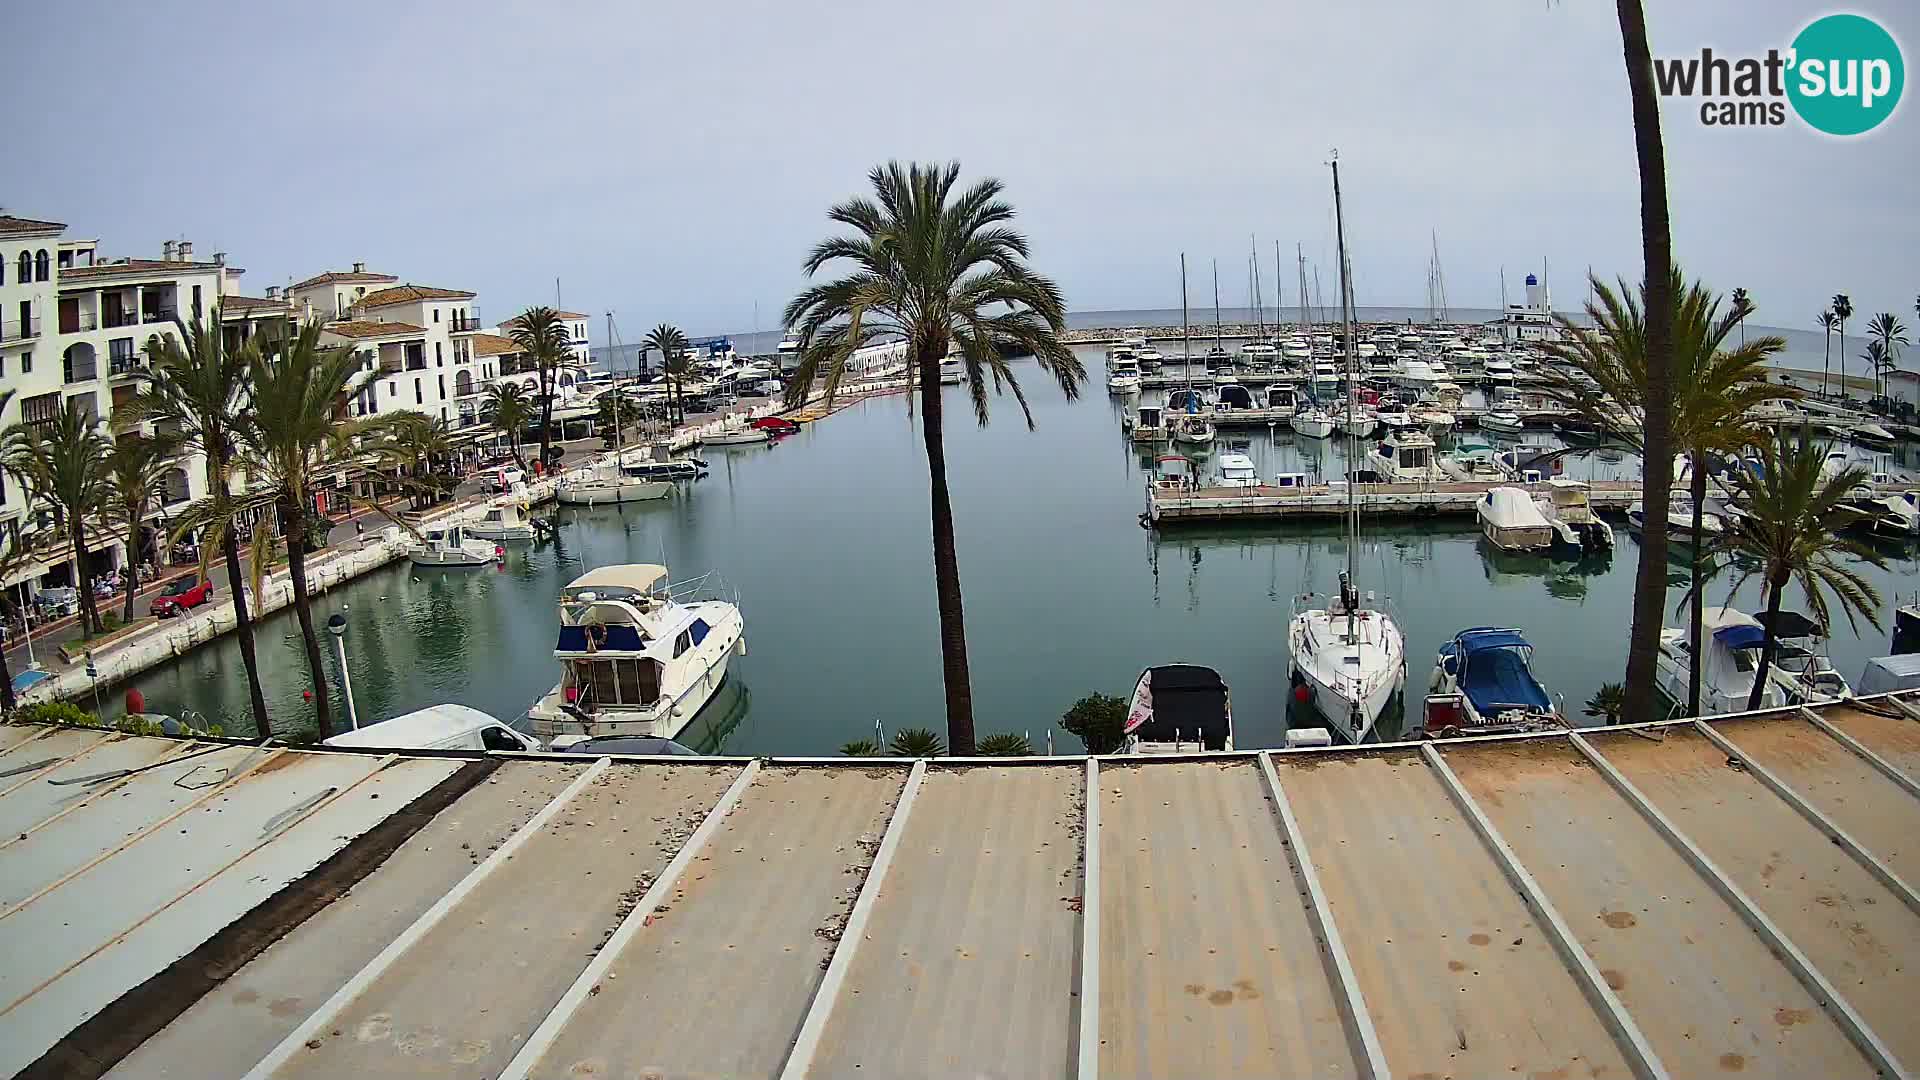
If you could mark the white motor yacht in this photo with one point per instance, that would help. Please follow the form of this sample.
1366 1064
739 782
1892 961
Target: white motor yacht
1511 521
1124 378
953 371
1190 428
606 483
1405 457
1730 661
1325 375
451 546
1236 471
1507 423
736 432
505 519
1313 421
635 659
1568 507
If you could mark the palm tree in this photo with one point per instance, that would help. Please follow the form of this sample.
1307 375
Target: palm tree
1656 248
1792 530
135 484
412 444
1842 311
543 335
677 368
13 559
298 435
672 345
930 264
616 413
507 406
196 392
1713 389
1742 307
1890 334
64 463
1827 323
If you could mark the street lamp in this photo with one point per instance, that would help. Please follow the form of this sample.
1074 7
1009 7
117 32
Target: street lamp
337 626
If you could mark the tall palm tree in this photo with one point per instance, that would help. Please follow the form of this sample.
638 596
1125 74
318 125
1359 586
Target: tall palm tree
930 264
1842 311
543 335
1827 323
1888 332
135 485
1792 530
1713 389
412 444
507 406
1656 249
677 368
64 463
616 412
672 346
1742 307
299 434
196 393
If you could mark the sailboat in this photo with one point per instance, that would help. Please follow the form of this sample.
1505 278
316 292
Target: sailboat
1348 660
1190 426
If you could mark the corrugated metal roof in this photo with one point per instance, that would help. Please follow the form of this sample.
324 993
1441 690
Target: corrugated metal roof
1675 899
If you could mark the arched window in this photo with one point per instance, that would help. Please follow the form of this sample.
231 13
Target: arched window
42 266
26 268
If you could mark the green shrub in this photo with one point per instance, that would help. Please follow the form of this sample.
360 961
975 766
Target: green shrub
1099 721
918 742
1609 703
55 712
1009 744
860 748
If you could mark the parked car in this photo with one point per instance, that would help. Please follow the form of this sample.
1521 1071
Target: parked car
180 594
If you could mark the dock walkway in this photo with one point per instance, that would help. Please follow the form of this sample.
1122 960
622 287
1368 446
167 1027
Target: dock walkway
1167 505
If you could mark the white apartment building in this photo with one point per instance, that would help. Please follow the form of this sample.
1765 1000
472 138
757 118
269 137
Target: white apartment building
75 327
415 342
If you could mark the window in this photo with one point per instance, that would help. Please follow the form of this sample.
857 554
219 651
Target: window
438 361
25 273
196 301
3 365
41 268
419 396
40 410
436 314
496 738
698 630
26 362
392 389
683 642
443 387
120 349
66 259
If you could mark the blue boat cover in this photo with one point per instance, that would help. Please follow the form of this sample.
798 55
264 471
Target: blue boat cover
1496 676
1740 637
574 639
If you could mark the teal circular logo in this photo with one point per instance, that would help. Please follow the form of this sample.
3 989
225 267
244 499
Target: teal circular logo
1847 74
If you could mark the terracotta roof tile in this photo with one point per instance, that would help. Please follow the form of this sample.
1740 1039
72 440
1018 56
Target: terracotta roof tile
409 294
493 345
571 315
135 266
334 276
11 224
237 303
357 329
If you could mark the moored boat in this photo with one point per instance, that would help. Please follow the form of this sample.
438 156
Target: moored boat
1483 684
635 659
1179 709
451 546
607 483
505 519
1511 521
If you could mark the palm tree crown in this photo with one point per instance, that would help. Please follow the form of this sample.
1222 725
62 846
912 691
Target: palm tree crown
936 267
543 335
64 462
136 481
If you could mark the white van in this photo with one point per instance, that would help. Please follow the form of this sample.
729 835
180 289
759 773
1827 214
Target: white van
438 727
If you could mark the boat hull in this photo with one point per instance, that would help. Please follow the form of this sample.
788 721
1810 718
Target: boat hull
605 492
501 532
735 438
666 719
1313 428
1351 706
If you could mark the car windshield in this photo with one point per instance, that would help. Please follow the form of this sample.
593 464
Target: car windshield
183 585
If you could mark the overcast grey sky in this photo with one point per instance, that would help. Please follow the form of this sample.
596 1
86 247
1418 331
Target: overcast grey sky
673 162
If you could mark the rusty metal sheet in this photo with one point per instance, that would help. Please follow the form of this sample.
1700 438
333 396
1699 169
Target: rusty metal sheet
1892 736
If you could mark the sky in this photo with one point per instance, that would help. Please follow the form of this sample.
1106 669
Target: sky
674 162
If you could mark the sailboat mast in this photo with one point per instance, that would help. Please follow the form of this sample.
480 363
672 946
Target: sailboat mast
1186 360
1346 330
619 401
1279 290
1217 339
1306 317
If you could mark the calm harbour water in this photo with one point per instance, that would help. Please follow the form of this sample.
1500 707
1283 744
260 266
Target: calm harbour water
826 540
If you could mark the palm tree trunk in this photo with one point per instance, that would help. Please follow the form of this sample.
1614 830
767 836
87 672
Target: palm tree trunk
1697 605
1656 241
946 567
294 526
243 630
1767 645
89 607
1826 359
7 701
546 414
133 570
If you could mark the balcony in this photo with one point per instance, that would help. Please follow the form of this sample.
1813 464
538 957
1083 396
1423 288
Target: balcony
19 329
161 314
115 319
79 322
465 324
120 367
79 371
419 364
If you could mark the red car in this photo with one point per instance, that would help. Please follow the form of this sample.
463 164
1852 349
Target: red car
181 594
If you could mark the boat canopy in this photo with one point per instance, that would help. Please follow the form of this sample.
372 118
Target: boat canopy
1182 701
639 577
1513 508
1745 636
1495 671
1791 624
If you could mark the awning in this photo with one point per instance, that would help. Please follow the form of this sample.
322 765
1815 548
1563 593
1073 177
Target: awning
1741 637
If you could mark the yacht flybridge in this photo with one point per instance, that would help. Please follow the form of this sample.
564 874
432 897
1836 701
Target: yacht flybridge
634 659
